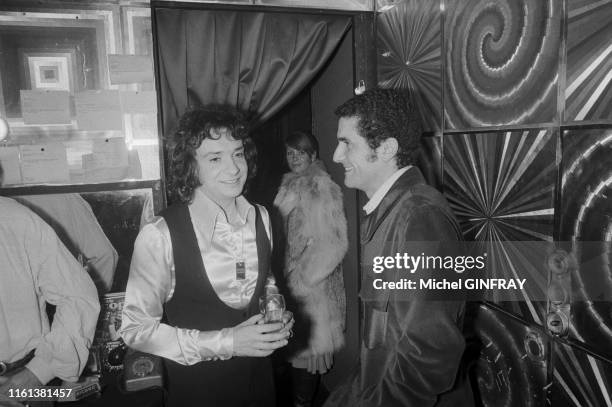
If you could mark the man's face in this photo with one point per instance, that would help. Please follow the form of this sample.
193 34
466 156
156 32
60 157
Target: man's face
222 166
361 165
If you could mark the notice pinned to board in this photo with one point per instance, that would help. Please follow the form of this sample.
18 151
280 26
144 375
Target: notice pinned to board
45 106
138 101
99 110
110 152
44 163
130 68
9 161
108 161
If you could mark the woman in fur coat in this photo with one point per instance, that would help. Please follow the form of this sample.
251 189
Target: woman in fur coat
310 205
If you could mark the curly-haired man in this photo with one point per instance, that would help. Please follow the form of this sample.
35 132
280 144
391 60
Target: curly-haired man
199 269
411 348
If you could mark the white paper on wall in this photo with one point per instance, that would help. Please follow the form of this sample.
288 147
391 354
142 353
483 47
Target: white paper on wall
138 101
44 163
9 161
45 106
99 110
130 68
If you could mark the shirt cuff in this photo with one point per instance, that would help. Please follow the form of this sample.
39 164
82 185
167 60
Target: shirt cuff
216 345
41 370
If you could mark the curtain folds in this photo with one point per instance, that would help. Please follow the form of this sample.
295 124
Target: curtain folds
253 60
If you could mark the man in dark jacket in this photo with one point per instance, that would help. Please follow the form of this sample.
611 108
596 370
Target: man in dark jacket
412 347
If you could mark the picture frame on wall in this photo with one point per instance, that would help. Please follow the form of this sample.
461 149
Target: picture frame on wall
56 50
50 70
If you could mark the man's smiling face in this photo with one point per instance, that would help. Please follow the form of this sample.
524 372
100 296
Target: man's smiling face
362 168
222 166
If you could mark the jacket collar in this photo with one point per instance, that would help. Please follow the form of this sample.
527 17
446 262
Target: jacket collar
406 181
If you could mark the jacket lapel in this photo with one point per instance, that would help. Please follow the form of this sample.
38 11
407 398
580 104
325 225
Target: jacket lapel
372 221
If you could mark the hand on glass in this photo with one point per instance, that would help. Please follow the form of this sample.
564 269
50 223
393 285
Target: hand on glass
252 338
288 322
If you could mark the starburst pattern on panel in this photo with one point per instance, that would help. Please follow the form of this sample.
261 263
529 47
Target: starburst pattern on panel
501 62
580 379
409 55
500 185
588 92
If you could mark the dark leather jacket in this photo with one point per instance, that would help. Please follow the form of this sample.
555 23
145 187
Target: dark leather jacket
411 349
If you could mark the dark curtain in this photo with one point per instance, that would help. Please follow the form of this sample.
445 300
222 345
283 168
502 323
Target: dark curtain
256 61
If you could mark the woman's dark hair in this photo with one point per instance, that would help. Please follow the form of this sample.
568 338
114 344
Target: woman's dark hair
304 142
193 127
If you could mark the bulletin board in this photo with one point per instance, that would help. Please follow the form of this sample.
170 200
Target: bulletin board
77 91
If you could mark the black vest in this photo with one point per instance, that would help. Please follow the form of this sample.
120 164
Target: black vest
239 381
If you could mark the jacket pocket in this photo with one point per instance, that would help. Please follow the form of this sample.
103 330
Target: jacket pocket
375 327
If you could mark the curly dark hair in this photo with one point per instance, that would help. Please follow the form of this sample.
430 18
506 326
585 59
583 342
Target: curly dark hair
385 113
193 127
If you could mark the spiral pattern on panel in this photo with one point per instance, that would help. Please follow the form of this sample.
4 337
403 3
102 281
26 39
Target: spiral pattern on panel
409 55
588 91
501 62
586 221
511 368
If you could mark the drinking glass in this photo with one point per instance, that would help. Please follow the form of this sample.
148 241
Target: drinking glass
272 306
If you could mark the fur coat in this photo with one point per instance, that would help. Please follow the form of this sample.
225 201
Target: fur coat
310 205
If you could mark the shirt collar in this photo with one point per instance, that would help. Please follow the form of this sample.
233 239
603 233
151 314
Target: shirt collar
206 213
382 190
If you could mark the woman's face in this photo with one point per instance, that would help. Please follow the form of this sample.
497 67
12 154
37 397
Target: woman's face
298 160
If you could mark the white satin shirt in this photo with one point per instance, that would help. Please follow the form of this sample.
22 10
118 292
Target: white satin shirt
152 280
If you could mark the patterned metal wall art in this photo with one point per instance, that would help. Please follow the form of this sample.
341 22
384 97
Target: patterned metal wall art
580 380
430 161
409 55
501 62
501 186
586 222
588 92
510 360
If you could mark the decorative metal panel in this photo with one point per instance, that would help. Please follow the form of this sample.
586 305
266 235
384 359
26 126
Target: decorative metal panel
586 216
409 55
363 5
510 360
588 92
430 160
501 62
579 380
501 187
501 184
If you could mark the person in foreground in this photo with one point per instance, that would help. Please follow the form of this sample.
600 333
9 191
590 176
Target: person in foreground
199 269
412 348
36 268
310 204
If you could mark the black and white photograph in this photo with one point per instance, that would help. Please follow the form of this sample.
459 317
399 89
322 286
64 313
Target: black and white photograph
306 203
